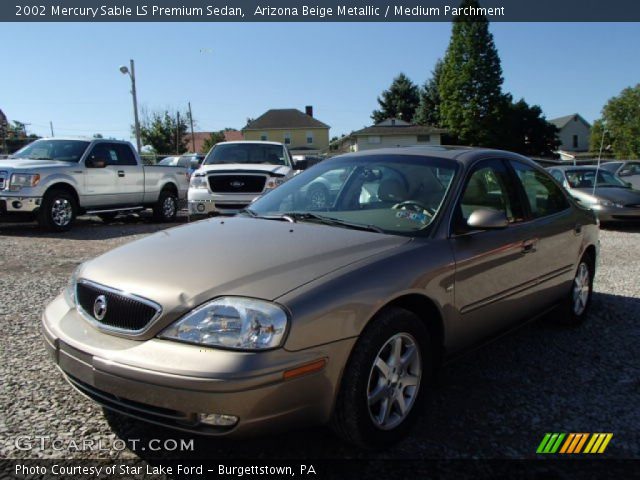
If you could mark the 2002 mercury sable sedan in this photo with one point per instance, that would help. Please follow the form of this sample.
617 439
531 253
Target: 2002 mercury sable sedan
293 313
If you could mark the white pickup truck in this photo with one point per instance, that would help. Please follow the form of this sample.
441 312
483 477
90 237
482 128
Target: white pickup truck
57 179
233 174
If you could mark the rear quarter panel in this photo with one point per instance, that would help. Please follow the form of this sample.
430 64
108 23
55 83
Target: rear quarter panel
156 177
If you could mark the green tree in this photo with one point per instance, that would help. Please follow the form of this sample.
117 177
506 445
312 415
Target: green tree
162 131
399 101
597 139
428 111
621 119
209 142
471 82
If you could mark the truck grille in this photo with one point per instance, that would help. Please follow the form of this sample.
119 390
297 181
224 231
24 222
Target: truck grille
3 180
237 183
117 310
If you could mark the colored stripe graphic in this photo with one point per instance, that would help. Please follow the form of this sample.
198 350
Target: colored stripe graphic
574 443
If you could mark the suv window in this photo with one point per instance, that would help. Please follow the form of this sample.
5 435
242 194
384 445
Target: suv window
488 186
117 154
544 196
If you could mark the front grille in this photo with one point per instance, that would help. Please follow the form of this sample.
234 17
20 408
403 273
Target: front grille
121 311
237 183
3 180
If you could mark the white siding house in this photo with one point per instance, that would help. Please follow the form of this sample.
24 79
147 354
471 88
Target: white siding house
574 133
391 132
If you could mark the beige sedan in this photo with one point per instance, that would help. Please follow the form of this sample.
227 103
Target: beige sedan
297 312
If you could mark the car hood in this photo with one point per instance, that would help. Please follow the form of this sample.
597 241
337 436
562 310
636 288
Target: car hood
27 164
624 196
183 267
243 167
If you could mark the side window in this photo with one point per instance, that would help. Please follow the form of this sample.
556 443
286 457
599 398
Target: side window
557 174
545 197
488 186
100 152
124 153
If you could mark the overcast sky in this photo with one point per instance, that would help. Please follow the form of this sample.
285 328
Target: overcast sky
68 73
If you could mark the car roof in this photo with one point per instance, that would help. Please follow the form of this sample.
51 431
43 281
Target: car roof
263 142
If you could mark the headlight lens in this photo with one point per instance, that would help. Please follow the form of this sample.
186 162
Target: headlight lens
70 289
232 322
609 203
273 182
198 181
20 180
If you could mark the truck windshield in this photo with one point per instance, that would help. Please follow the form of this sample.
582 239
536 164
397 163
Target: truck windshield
62 150
246 153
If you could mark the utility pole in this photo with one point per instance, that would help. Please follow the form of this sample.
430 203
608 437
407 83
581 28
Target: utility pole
193 138
51 125
132 74
178 133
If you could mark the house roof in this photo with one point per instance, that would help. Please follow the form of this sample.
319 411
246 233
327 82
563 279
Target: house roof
410 129
233 136
561 122
284 118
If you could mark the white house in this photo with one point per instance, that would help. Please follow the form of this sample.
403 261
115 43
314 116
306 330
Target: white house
574 133
391 132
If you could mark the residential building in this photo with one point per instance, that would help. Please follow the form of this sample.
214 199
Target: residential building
301 132
574 133
391 132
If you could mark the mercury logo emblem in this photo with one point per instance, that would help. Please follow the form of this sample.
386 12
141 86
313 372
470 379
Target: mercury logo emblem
100 307
237 184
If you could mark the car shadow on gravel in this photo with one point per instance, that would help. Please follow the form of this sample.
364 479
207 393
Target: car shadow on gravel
632 227
495 402
92 228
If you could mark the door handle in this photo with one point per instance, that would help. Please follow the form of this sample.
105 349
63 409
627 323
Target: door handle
529 246
121 173
577 229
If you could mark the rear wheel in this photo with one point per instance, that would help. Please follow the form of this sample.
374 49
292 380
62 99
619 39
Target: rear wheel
166 208
381 390
58 211
578 301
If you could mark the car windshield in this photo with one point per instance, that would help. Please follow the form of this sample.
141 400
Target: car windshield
399 194
630 168
246 153
585 178
169 161
62 150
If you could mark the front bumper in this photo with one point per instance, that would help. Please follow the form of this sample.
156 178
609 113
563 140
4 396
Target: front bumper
203 202
171 384
10 204
617 214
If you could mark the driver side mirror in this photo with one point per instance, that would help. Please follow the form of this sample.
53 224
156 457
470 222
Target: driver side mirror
93 162
302 164
487 219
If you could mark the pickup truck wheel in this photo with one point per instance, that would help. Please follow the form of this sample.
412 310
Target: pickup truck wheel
108 217
58 211
166 208
381 389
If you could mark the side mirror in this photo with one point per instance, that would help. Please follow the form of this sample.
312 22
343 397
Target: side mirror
300 164
487 219
93 162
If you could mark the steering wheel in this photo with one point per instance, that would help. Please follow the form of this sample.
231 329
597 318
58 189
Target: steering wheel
415 206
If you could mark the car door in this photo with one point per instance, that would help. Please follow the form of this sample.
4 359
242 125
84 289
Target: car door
100 183
552 222
130 182
493 280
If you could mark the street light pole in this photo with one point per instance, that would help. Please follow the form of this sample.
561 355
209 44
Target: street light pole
132 74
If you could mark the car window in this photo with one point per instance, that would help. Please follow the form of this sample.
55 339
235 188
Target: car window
584 178
488 186
557 174
117 154
630 169
544 196
246 153
124 154
51 149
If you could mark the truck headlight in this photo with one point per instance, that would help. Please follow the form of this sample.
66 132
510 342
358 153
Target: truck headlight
273 182
232 322
198 181
20 180
70 289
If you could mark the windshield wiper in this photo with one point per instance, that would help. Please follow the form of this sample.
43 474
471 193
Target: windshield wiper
307 216
284 217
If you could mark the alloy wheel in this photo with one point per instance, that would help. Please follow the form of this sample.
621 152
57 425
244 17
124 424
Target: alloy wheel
581 289
61 212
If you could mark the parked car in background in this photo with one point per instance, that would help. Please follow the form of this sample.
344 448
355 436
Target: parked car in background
190 161
627 171
234 174
56 179
286 316
610 197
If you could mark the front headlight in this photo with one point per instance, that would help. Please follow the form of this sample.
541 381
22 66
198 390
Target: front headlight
232 322
198 181
273 182
609 203
20 180
70 289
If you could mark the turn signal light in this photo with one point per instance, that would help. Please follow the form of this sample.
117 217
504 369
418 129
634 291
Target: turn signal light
305 369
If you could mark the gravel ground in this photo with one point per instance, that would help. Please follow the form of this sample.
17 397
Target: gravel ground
496 402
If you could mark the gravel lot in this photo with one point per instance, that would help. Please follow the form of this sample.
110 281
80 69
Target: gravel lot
496 402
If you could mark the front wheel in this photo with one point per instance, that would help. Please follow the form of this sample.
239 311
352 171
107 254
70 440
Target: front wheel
58 211
578 300
382 386
166 208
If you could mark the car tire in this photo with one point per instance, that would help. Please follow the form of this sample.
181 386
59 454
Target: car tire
368 412
108 217
58 211
318 197
576 306
166 208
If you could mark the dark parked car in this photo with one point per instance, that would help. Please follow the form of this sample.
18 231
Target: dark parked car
610 197
286 316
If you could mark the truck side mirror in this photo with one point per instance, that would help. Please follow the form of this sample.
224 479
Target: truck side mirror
300 164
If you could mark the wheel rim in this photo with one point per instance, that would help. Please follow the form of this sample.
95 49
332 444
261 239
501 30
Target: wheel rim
168 207
394 381
581 289
318 199
61 212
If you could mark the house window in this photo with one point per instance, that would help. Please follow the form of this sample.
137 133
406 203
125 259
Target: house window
373 139
424 138
287 138
575 141
309 138
263 136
